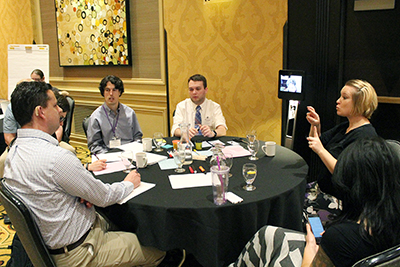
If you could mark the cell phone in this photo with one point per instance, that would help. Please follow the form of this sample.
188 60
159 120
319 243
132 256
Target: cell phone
316 227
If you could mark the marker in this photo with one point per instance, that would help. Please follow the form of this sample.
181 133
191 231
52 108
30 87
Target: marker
191 169
202 169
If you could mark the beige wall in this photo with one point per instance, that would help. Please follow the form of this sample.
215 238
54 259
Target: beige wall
237 45
14 29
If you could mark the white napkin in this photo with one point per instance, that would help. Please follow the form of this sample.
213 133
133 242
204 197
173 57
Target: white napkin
233 198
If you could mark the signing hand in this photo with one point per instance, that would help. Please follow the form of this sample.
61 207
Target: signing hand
98 165
313 117
314 142
134 178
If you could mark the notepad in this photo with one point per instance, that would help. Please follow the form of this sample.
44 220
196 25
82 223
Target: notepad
179 181
137 191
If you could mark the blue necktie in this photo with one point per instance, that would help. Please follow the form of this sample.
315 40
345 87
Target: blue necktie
197 119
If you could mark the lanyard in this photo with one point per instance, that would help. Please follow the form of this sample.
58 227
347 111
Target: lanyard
113 127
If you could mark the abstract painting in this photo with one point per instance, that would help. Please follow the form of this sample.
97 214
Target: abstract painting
92 32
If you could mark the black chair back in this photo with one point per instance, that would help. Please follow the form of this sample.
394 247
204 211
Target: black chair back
387 258
68 120
27 229
85 124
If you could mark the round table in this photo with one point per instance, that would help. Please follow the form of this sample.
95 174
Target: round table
187 218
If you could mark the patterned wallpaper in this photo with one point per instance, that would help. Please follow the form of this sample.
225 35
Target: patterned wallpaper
14 29
237 45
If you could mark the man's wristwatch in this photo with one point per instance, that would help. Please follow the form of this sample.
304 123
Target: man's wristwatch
215 133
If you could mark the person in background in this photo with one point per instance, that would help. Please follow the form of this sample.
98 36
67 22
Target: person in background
113 123
357 103
37 75
71 229
366 174
204 116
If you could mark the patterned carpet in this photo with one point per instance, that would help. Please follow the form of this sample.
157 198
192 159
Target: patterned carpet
7 231
6 236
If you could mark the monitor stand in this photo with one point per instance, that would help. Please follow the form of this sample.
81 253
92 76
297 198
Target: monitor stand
291 123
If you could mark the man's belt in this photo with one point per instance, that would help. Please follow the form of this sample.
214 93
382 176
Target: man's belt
69 247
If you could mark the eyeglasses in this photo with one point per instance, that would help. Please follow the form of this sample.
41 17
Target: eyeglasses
62 119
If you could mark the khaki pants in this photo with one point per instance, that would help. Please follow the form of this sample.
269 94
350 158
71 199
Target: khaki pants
103 248
2 161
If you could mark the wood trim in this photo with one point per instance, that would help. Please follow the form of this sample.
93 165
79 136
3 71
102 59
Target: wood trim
389 100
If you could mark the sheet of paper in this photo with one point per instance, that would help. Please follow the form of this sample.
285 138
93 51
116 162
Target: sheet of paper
206 153
214 142
179 181
142 188
134 146
113 167
236 151
205 144
153 158
110 157
167 164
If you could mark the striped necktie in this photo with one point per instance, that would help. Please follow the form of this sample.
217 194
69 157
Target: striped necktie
197 119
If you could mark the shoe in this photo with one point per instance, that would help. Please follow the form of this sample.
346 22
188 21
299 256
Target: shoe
174 258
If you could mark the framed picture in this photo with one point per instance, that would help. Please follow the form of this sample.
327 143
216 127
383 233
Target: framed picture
93 32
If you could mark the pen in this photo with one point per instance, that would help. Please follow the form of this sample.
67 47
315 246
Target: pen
191 169
96 156
202 169
195 151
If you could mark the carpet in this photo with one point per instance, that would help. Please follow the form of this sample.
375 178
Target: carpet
6 236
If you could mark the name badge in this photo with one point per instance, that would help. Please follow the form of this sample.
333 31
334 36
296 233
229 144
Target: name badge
115 142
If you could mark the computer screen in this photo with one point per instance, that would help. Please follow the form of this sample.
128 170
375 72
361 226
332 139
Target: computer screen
291 84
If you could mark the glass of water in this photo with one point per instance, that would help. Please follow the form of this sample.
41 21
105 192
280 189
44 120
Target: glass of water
249 173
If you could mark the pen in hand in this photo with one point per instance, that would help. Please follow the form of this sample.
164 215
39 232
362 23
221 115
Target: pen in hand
96 156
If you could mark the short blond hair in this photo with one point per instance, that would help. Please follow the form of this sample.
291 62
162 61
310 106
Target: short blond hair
365 98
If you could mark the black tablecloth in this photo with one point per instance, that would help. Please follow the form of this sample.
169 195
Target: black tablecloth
187 218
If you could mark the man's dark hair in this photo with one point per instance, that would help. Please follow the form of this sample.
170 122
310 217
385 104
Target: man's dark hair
62 102
26 97
38 72
114 80
198 78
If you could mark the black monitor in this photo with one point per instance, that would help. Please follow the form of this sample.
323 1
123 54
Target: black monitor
291 84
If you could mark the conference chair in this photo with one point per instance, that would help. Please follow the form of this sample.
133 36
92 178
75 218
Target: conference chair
85 124
68 120
387 258
26 227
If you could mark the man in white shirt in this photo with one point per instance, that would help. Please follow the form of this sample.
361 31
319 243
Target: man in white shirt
204 116
56 187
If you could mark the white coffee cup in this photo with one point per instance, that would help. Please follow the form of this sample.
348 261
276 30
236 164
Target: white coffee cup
269 148
141 160
147 144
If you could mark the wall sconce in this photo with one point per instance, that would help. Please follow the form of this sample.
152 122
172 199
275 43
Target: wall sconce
364 5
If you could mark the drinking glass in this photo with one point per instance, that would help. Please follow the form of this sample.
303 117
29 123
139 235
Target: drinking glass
253 148
127 158
229 161
158 141
179 158
249 173
251 136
